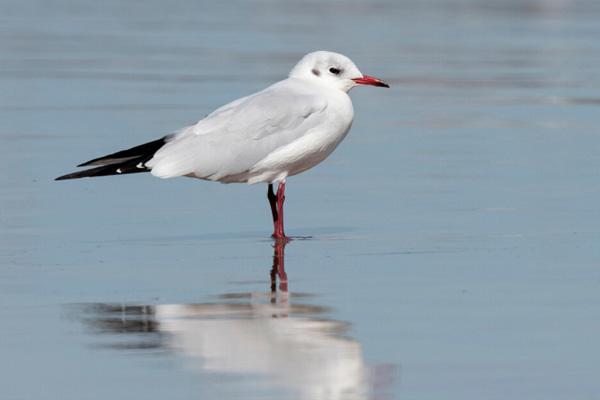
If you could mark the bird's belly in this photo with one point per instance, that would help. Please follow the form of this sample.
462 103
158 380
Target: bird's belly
309 159
296 157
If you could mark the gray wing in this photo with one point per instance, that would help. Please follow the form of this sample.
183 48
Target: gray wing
235 137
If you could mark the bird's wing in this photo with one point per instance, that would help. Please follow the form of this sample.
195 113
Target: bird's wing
235 137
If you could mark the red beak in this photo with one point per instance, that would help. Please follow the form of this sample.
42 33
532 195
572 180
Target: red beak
370 80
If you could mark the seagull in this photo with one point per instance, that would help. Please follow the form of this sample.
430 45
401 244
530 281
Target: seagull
268 136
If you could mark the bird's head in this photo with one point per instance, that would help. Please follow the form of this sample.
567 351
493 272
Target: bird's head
333 70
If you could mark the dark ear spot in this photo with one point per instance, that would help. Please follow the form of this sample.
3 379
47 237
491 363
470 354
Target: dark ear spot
315 72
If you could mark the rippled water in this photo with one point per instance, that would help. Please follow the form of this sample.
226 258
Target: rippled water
453 248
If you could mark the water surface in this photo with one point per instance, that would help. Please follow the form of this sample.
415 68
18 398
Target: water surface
453 250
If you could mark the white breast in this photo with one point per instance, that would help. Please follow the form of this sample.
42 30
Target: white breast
310 149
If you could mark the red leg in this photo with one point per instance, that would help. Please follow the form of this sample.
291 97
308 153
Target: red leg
279 233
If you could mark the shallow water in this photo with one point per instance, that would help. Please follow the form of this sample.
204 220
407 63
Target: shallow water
453 237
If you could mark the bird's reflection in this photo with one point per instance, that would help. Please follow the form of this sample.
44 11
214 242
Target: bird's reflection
278 269
286 345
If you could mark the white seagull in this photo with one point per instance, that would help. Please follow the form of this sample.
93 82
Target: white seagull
283 130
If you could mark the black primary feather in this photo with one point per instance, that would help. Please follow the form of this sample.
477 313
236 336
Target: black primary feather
130 161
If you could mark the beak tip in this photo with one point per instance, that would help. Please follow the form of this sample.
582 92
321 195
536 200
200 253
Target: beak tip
370 80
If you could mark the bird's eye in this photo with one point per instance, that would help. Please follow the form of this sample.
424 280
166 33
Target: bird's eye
334 70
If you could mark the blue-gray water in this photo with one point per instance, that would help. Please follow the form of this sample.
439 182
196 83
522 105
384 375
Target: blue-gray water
455 232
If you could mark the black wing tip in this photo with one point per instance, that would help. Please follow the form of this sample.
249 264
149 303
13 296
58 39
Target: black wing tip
97 162
73 175
129 161
125 168
146 149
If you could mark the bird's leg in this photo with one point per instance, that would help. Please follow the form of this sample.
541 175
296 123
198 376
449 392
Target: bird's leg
279 233
273 203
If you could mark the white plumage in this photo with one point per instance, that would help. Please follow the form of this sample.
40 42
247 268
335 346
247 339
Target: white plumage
285 129
281 131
